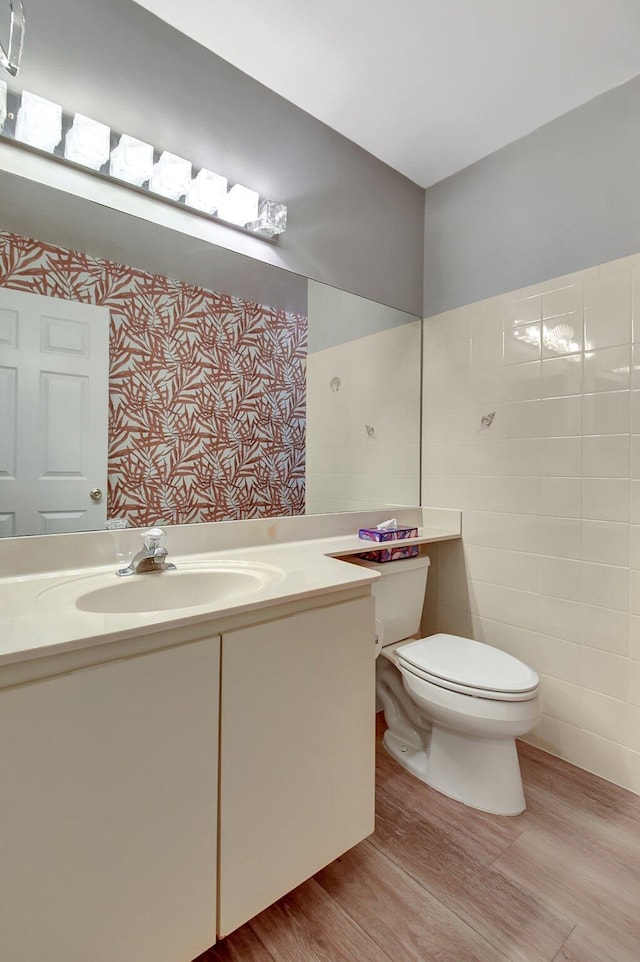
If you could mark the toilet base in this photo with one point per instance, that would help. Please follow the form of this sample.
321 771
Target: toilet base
483 773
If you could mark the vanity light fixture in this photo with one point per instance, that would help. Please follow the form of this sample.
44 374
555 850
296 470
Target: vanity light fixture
206 191
272 219
132 160
239 206
171 176
88 142
39 122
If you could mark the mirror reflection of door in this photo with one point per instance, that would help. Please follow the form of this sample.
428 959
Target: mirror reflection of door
54 387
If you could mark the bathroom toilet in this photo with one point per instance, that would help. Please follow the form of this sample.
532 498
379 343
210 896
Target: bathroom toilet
453 706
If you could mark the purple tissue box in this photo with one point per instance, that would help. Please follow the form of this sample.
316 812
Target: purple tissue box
393 534
390 554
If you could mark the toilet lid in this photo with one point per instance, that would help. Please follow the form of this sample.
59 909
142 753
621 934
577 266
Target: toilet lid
468 663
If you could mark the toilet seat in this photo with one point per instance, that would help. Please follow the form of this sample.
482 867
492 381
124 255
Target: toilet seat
468 667
489 694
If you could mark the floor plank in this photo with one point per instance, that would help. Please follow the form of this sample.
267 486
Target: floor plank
398 914
481 835
309 926
578 806
571 881
513 920
587 944
438 882
243 945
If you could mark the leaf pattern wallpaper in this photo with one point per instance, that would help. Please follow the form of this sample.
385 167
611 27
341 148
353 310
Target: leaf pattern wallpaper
206 391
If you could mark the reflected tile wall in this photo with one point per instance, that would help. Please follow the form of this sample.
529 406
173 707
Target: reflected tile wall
549 568
363 422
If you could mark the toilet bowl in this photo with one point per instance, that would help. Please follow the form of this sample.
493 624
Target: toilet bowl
453 706
463 738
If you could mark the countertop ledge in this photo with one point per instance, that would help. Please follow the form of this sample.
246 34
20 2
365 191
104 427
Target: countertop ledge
310 568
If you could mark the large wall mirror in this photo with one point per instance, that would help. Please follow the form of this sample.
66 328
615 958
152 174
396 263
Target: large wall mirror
151 376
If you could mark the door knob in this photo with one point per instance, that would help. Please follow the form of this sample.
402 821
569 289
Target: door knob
95 494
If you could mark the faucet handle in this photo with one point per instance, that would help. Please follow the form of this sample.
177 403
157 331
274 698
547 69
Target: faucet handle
152 538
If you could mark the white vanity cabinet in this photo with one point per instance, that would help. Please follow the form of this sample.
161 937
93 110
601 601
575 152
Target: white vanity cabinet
108 810
171 789
296 751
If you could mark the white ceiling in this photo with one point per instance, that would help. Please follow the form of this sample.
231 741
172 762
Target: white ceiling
427 86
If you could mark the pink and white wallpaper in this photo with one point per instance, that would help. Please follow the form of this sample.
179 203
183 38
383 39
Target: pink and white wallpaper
206 391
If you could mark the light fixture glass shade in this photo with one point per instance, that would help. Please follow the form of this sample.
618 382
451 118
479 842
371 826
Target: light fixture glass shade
239 206
132 160
206 191
87 142
3 103
39 122
10 58
171 176
272 219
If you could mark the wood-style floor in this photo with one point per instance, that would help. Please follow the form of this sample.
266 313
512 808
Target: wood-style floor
438 881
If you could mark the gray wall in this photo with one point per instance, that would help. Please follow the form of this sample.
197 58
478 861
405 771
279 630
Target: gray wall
353 222
564 198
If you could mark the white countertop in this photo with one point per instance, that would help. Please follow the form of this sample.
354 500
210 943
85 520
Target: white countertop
36 622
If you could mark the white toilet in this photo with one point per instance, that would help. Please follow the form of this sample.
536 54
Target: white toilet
453 706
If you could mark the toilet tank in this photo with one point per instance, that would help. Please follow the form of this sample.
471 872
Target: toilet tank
399 595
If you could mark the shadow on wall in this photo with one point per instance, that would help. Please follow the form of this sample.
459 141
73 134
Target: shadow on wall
447 605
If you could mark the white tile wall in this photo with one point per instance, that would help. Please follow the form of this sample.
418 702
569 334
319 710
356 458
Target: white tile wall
549 567
349 468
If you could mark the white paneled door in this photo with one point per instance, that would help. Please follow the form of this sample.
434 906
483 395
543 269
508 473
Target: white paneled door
54 386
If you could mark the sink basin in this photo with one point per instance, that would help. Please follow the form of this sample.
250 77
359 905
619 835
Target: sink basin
189 586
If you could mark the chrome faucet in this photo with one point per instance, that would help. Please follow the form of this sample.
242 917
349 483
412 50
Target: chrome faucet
153 557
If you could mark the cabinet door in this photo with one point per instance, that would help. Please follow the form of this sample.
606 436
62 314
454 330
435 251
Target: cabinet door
297 752
108 811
